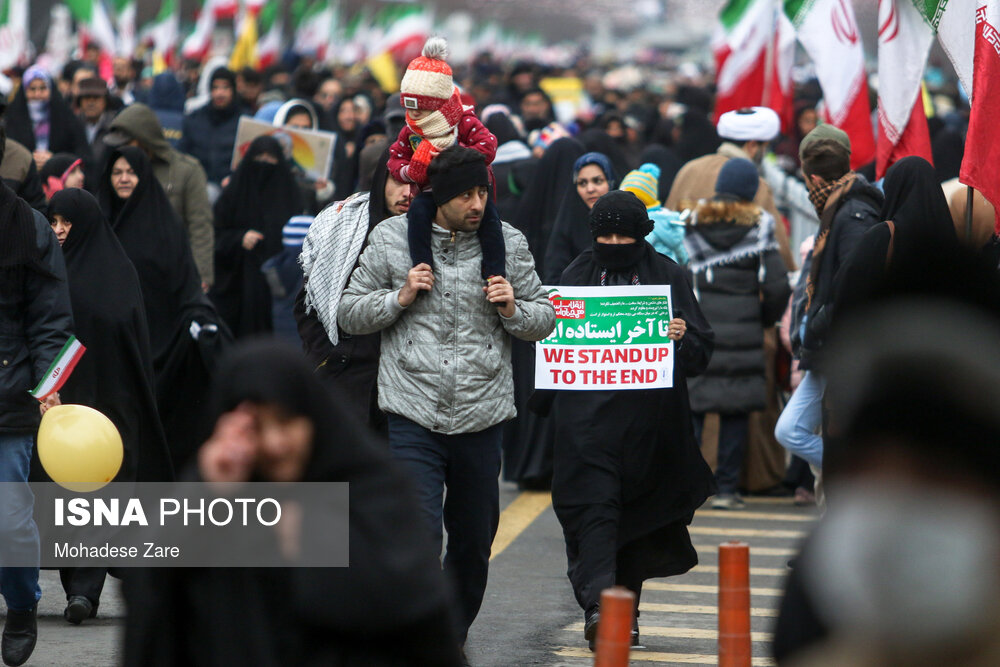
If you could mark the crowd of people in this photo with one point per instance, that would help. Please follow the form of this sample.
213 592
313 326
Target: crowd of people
410 280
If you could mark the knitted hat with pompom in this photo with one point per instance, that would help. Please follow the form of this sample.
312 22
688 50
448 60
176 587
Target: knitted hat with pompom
644 183
427 83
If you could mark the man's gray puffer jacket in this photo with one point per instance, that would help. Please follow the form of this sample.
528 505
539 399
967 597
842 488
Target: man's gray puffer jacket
445 359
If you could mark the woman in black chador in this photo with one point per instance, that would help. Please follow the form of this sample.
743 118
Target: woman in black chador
249 215
273 420
115 376
628 472
185 332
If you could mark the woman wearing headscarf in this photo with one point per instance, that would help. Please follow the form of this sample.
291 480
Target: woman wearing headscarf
341 120
39 118
390 607
536 214
593 177
666 159
527 439
301 114
917 224
184 330
696 136
249 216
115 377
628 471
599 141
514 166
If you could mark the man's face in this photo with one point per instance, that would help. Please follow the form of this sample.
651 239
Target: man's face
534 106
92 106
78 76
397 196
464 212
222 94
123 72
249 91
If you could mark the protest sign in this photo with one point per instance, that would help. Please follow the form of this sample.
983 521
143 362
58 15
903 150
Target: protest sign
607 338
310 150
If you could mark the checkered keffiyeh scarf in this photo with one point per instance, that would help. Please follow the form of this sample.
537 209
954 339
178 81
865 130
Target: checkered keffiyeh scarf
329 253
827 200
703 256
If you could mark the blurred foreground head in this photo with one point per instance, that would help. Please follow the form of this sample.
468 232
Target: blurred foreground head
906 564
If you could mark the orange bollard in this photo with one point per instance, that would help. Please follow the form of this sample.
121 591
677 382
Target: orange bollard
734 604
614 632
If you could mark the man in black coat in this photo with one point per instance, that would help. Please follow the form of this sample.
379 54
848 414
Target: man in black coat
209 133
847 206
35 323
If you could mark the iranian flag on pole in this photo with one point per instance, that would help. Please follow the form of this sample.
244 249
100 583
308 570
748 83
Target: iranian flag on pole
780 96
829 33
199 42
164 30
741 48
95 23
314 28
125 17
905 33
269 46
13 32
982 143
406 30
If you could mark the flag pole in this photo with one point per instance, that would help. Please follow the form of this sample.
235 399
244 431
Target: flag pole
968 214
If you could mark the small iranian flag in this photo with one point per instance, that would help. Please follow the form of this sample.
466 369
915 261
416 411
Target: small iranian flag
829 33
982 144
164 30
741 46
905 33
95 23
269 46
13 32
60 369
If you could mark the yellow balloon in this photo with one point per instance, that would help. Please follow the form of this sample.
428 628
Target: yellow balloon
79 447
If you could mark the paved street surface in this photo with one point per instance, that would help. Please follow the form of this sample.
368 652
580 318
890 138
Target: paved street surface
529 616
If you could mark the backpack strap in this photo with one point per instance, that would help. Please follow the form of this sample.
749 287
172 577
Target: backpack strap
892 243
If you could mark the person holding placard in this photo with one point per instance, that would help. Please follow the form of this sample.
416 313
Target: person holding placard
628 471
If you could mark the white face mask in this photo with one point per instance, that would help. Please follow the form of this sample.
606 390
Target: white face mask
36 106
906 566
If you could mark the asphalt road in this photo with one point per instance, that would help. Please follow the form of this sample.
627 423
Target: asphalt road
529 616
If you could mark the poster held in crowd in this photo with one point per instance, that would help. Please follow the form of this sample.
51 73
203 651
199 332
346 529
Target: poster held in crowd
607 338
310 150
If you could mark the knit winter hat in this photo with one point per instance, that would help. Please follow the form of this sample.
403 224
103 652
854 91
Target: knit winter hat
295 230
825 131
644 183
427 83
738 178
620 212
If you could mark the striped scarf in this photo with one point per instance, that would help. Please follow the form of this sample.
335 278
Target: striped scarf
439 129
